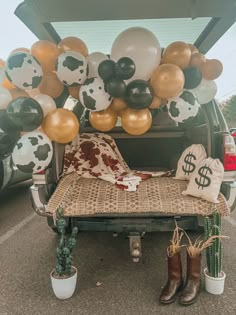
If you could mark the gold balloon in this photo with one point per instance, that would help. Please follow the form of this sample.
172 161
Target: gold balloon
15 93
156 102
120 113
197 60
177 53
211 69
104 120
50 85
193 48
167 81
61 125
136 122
74 91
73 43
46 53
118 104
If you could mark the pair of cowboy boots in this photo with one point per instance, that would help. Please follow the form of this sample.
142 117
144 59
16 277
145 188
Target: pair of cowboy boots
175 284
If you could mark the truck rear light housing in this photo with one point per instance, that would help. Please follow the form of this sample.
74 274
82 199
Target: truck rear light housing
229 153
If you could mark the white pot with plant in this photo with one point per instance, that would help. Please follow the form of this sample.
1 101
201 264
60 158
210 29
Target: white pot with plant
64 276
214 275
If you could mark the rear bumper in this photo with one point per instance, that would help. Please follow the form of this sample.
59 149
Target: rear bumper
39 198
228 189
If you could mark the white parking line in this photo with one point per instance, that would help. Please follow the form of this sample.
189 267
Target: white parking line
16 228
231 221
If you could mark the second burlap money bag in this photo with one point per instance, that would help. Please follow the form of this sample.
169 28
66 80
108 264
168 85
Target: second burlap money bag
206 180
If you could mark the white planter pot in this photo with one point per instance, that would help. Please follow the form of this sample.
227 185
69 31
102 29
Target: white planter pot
214 285
64 288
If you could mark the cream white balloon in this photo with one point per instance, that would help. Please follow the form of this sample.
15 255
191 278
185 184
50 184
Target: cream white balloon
93 96
23 70
94 60
184 107
71 68
142 46
2 75
5 97
33 152
46 102
206 91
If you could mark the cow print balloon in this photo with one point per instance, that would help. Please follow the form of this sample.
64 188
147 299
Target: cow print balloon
93 95
33 152
71 68
184 107
23 70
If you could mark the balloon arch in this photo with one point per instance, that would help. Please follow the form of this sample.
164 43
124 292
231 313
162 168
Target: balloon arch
137 77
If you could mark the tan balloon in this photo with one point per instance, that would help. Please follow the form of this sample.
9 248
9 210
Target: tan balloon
211 69
156 102
73 43
2 63
15 93
34 92
74 91
118 104
61 125
22 49
167 81
177 53
197 60
193 48
46 53
51 86
136 122
8 85
104 120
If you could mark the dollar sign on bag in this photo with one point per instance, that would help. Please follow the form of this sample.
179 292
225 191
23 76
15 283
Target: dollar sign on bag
189 167
204 180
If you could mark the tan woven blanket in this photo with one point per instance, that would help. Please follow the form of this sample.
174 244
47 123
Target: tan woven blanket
161 195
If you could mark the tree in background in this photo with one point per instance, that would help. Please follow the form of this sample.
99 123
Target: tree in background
229 111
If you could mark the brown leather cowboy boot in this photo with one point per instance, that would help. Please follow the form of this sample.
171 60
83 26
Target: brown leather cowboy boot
175 280
193 282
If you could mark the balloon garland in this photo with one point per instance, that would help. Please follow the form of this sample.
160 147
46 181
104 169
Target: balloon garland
137 79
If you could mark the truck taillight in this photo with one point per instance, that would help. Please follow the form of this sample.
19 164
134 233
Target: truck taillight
229 153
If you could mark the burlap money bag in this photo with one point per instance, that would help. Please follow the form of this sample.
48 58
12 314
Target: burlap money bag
189 160
206 180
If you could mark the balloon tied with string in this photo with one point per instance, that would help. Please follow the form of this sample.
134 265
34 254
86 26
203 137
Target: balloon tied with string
135 80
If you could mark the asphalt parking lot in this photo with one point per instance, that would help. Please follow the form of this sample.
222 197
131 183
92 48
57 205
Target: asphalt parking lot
27 248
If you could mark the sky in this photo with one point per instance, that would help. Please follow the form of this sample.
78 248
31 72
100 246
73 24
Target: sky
15 34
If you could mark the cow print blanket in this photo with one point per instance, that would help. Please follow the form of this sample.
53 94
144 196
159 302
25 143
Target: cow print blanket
97 156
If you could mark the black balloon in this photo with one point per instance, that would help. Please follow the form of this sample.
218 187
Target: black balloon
7 143
106 69
26 113
193 77
116 87
138 94
5 123
125 68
